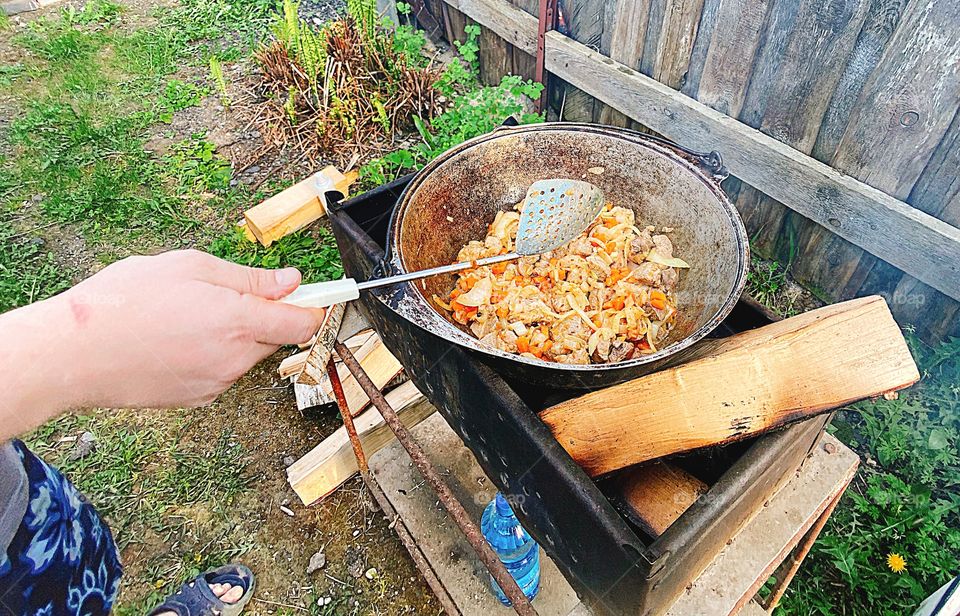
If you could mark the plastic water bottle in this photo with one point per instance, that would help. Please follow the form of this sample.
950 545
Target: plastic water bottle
517 550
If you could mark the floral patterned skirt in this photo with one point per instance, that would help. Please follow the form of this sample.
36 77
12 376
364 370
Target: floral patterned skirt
63 559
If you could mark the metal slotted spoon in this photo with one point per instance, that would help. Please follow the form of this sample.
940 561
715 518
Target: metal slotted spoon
554 212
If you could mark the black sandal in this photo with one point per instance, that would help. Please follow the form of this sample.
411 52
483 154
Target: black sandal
196 599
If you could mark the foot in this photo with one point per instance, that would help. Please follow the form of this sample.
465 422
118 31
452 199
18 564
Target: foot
225 592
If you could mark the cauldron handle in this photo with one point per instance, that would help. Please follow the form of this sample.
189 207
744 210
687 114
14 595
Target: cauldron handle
711 162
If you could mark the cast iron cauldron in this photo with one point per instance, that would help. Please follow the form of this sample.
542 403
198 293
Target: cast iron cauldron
453 199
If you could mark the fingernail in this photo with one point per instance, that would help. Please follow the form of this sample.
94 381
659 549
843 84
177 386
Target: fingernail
287 277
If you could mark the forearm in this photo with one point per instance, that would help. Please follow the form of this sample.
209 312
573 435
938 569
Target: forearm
39 365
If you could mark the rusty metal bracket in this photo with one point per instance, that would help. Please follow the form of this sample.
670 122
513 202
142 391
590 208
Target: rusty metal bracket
546 21
337 387
471 531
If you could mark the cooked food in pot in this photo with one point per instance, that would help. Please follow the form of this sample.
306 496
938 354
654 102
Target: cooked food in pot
607 296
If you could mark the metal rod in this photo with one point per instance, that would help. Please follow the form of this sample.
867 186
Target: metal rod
546 21
337 387
471 531
433 271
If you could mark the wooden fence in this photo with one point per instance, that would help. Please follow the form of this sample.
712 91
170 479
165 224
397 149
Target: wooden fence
837 118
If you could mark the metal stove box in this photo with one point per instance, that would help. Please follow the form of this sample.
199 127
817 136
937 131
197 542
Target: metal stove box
616 568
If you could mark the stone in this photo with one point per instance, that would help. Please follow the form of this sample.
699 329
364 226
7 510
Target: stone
84 446
317 562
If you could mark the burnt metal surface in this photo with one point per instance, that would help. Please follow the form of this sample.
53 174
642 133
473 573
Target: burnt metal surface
521 605
455 197
613 565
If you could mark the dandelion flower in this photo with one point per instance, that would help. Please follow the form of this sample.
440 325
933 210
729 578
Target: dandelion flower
896 563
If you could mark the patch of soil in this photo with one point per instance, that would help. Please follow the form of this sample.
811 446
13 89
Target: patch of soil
262 415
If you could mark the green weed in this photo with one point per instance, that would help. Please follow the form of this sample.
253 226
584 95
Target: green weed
904 502
205 473
5 22
767 283
199 168
9 73
219 81
470 114
317 258
176 96
28 271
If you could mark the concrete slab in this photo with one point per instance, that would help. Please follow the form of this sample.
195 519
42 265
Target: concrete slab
458 577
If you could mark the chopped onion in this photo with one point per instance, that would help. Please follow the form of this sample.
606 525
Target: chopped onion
655 257
478 295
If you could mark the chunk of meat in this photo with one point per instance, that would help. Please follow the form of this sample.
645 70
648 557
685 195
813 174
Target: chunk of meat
663 245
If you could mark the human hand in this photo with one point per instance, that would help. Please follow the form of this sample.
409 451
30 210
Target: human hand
175 329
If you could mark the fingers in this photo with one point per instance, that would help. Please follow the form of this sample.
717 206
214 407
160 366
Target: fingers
276 323
265 283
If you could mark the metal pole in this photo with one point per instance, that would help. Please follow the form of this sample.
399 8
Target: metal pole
337 387
546 21
521 604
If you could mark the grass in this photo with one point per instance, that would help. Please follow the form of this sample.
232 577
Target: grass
145 478
904 501
767 283
89 89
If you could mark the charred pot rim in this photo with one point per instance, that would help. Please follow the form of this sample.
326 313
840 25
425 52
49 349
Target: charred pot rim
706 168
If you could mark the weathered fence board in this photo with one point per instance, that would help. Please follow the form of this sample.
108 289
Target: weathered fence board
624 30
923 244
871 87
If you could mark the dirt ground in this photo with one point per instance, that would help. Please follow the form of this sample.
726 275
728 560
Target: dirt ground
367 570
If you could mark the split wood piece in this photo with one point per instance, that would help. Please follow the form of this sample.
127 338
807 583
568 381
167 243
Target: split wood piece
296 207
380 365
739 387
294 365
655 495
317 357
331 463
309 395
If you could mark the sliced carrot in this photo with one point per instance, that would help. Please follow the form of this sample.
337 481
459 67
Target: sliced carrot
611 247
499 268
502 312
546 345
523 344
658 299
617 303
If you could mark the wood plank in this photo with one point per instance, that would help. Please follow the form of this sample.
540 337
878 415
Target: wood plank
331 463
923 246
293 365
496 56
785 371
524 64
879 24
672 48
381 366
908 103
584 20
801 60
510 22
771 535
701 46
315 362
296 207
655 495
624 32
851 264
726 69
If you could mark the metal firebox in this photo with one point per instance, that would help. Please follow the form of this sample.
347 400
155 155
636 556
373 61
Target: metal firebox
613 564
